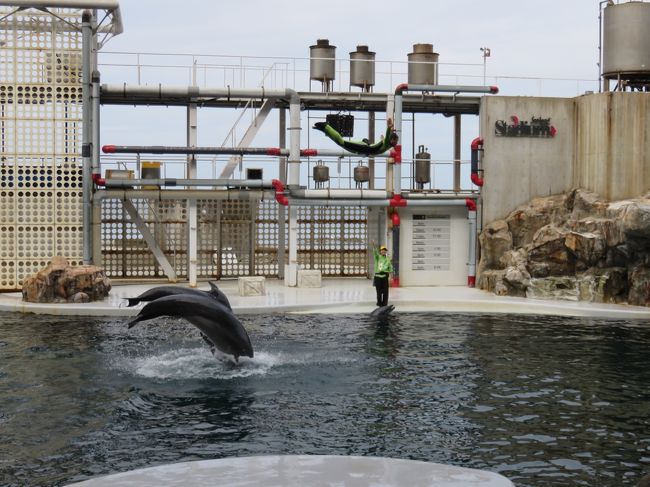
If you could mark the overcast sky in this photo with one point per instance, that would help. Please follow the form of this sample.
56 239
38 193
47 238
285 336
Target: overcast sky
549 39
553 38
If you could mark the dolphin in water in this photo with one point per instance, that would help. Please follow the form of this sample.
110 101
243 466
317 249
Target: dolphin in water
382 311
160 291
217 324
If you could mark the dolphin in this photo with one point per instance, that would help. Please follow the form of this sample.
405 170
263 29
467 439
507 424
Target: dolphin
217 324
382 311
160 291
219 295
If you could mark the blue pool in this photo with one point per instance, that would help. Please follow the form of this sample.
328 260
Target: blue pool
543 401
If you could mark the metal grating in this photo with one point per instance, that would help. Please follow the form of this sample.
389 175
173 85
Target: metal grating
333 240
235 238
40 141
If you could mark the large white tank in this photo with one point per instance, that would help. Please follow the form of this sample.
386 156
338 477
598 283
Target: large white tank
626 41
322 61
362 68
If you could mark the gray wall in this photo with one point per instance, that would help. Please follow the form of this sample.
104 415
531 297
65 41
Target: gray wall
602 144
517 169
612 143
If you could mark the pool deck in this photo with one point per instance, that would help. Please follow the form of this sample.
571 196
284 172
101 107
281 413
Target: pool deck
352 295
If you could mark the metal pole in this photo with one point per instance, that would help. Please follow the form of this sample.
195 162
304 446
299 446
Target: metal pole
457 132
87 133
282 212
192 213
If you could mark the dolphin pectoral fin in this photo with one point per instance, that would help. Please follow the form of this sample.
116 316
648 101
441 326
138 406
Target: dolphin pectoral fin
132 323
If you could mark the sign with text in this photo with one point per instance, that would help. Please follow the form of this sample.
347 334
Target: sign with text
431 243
537 127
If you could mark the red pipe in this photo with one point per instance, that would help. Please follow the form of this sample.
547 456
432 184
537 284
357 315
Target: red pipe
494 90
471 204
401 87
397 201
98 179
396 154
274 151
309 152
108 149
471 281
477 144
395 219
279 192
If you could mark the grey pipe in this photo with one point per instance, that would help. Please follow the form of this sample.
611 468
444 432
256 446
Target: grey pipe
326 194
231 183
378 202
162 195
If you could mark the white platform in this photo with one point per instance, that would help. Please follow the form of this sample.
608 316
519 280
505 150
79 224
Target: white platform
350 295
303 471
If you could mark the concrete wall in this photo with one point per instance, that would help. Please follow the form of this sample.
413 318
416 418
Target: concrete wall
517 169
612 142
602 144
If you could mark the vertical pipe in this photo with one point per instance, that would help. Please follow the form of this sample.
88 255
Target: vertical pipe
471 263
371 160
95 129
282 212
192 210
291 273
457 132
397 120
86 143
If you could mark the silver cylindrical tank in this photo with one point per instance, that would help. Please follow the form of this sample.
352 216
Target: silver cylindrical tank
361 174
321 173
626 40
423 65
322 61
422 167
362 67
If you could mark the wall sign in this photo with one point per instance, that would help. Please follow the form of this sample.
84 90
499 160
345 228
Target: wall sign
431 243
537 127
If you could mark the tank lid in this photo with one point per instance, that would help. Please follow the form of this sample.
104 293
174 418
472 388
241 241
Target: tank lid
423 48
361 49
322 43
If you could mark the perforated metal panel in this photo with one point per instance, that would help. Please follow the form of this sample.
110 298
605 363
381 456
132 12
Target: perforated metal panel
235 238
40 141
333 240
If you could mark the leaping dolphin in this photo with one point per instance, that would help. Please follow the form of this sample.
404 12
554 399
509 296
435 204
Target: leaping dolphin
218 325
219 295
160 291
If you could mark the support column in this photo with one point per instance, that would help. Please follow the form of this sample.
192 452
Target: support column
282 211
87 132
291 269
192 213
457 132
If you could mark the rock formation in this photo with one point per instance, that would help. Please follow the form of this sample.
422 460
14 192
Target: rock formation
572 246
61 282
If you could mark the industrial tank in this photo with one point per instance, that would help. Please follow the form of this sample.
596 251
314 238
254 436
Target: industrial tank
322 61
362 68
626 41
422 167
423 65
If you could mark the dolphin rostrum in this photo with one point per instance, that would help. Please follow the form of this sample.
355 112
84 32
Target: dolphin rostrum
218 325
160 291
382 311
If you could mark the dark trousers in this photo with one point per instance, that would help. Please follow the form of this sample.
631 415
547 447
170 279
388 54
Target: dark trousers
381 284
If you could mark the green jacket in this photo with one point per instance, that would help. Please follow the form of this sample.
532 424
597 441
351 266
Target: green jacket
383 264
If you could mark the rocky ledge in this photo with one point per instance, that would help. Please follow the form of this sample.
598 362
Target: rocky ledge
61 282
573 246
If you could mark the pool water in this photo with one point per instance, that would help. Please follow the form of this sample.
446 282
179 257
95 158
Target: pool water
544 401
